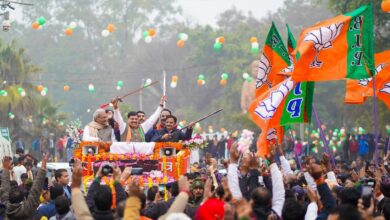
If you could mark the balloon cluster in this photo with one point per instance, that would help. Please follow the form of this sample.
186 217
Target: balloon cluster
388 129
247 77
385 5
43 90
91 88
254 45
119 85
174 81
149 34
183 37
21 91
39 23
3 93
109 30
224 77
218 43
69 30
201 80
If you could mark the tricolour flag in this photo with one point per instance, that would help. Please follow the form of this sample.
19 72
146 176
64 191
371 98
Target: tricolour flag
338 48
357 91
273 60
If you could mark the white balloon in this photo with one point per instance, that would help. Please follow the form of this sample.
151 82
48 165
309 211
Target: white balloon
73 25
173 85
255 45
105 33
148 39
148 81
43 92
245 75
185 37
118 88
81 24
23 94
203 82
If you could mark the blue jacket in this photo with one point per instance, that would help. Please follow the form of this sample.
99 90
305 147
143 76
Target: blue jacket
47 210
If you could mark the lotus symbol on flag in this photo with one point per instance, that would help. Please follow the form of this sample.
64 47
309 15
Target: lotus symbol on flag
386 88
264 69
364 82
322 39
379 68
266 108
271 135
290 68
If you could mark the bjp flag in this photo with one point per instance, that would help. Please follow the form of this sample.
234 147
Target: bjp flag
267 111
274 59
338 48
358 90
383 86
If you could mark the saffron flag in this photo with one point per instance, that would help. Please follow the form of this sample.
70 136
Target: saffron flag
383 86
267 110
273 60
357 91
298 102
339 48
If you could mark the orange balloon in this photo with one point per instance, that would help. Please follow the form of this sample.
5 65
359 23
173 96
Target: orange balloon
200 82
152 32
221 40
110 28
223 82
385 6
180 43
253 39
66 88
68 32
39 88
174 78
35 25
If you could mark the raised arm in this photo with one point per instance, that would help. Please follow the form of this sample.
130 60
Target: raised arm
118 116
80 207
286 168
148 124
232 173
278 191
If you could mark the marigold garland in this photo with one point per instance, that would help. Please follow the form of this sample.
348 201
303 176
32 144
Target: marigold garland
113 191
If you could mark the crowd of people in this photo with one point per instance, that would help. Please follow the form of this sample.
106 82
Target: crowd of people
252 188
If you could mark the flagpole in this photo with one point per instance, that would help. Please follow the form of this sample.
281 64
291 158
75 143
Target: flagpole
164 86
376 133
322 134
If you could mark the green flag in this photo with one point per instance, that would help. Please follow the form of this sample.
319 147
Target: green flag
297 108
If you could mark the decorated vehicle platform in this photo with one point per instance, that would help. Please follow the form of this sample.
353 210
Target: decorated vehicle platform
159 162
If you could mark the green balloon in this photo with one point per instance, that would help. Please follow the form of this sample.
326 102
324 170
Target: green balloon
201 77
145 34
255 49
217 46
119 83
249 79
41 20
20 89
3 93
225 76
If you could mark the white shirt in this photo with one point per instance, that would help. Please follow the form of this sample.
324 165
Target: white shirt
87 137
18 171
146 126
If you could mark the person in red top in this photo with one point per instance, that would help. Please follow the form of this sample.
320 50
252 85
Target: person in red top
353 148
60 147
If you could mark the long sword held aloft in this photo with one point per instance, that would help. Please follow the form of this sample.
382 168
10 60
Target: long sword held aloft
203 118
131 93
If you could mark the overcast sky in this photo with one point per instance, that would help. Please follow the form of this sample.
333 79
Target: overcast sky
206 11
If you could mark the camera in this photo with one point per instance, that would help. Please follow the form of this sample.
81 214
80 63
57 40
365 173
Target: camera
107 170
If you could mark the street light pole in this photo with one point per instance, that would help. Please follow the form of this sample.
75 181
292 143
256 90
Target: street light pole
140 95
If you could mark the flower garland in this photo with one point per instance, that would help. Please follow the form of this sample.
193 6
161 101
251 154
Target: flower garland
113 191
195 143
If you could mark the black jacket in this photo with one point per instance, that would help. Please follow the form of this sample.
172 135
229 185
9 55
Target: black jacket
176 135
